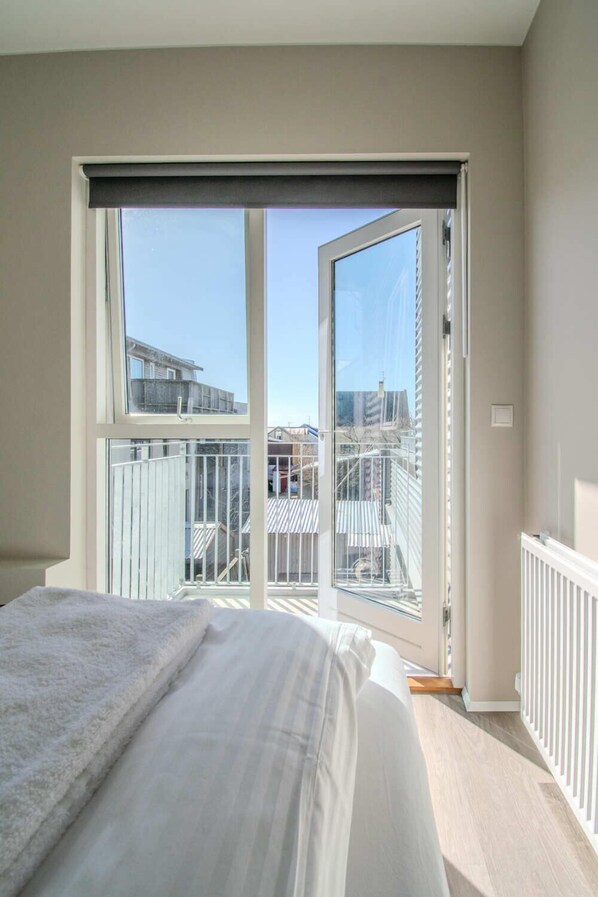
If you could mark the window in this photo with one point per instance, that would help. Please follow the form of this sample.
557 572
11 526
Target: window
178 299
180 516
173 408
136 368
184 375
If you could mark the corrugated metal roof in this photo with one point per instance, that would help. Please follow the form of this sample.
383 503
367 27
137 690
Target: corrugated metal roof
358 520
292 515
203 537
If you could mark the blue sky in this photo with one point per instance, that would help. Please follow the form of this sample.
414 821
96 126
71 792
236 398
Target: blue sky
184 283
185 293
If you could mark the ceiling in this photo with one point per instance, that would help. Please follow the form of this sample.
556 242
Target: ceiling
32 26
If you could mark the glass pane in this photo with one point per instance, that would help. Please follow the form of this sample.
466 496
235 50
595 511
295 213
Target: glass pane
292 510
184 309
377 429
293 239
179 517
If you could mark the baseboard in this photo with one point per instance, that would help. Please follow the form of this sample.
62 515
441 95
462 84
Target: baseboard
485 706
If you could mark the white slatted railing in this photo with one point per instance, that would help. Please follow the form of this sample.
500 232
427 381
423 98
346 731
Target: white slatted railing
559 687
148 526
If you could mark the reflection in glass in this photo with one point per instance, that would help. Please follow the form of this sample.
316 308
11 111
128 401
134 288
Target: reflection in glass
184 309
378 421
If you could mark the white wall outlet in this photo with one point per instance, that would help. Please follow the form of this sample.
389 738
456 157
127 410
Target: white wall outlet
502 416
518 683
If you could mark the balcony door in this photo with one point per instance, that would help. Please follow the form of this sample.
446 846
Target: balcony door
381 494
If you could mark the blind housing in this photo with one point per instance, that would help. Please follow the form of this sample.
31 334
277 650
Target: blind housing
269 185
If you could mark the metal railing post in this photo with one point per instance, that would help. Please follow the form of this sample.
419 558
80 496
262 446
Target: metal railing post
191 458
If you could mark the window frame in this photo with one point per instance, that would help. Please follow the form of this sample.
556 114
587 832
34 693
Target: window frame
106 392
116 323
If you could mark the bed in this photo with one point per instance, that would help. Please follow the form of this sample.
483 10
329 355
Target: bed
268 768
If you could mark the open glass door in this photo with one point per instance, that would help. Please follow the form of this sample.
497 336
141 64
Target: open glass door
380 557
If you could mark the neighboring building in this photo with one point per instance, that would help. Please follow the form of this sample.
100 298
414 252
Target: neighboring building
303 434
293 531
362 408
292 460
158 379
146 362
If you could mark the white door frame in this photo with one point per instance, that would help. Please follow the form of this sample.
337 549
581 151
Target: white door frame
419 641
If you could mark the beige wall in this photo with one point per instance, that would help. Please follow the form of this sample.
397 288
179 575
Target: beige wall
262 101
560 72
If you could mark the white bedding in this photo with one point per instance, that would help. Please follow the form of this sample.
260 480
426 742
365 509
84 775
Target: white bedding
78 673
394 849
240 782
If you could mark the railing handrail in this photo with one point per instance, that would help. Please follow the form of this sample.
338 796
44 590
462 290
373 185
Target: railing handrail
147 460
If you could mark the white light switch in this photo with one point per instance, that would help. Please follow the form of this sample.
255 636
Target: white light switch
502 416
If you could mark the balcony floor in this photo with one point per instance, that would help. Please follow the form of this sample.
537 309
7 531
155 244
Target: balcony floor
301 604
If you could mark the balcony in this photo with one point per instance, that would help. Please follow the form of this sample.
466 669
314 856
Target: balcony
158 396
180 521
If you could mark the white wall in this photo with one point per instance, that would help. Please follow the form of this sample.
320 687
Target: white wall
292 100
560 71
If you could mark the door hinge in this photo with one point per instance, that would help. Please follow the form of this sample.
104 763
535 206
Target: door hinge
446 237
446 327
446 614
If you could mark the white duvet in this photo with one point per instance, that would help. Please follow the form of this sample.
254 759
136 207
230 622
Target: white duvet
240 782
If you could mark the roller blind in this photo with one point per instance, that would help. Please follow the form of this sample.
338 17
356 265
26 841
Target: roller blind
264 185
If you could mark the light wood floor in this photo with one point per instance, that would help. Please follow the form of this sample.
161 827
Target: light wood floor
505 829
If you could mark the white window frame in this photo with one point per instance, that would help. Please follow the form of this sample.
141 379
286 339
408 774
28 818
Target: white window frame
106 389
152 370
121 413
170 371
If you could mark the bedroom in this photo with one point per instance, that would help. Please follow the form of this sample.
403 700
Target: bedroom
517 112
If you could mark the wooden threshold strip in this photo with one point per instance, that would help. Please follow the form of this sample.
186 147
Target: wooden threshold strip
432 685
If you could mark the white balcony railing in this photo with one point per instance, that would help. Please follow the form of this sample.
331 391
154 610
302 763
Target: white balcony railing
147 532
180 517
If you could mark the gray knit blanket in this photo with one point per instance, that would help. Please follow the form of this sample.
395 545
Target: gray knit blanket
79 672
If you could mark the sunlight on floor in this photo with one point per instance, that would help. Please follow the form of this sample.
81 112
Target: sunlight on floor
303 605
505 829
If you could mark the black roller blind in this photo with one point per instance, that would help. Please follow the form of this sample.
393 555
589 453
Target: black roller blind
406 185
